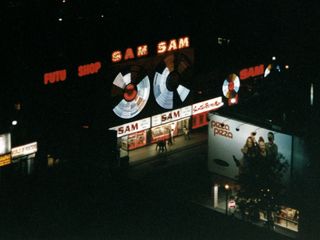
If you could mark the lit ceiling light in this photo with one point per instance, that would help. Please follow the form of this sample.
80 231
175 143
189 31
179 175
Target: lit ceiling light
274 58
14 122
60 19
286 66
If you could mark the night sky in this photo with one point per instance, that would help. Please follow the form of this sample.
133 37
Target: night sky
35 36
35 41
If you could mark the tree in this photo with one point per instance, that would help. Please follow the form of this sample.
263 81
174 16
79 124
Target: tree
261 185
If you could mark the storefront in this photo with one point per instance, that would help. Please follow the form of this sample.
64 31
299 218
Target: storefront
150 130
5 154
23 159
163 126
227 138
17 161
287 218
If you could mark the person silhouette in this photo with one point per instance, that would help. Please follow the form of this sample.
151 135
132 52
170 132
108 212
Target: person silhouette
186 132
271 147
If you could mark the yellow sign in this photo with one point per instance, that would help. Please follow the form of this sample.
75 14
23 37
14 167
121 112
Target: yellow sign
5 159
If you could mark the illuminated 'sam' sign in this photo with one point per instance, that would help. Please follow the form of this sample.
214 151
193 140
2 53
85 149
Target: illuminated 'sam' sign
173 44
141 51
251 72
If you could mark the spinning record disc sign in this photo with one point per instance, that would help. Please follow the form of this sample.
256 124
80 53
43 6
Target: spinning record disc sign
171 83
231 86
130 91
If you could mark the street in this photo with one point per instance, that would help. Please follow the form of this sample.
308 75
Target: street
152 201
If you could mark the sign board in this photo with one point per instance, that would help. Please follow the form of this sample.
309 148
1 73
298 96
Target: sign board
232 204
132 127
5 143
5 159
228 138
206 106
24 150
171 116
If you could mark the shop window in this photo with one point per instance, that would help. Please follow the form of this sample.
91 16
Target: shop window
201 119
52 161
161 132
194 121
136 140
288 218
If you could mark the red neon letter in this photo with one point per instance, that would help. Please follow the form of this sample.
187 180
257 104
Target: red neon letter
129 54
62 75
116 56
243 74
162 47
142 50
184 42
56 76
172 45
259 70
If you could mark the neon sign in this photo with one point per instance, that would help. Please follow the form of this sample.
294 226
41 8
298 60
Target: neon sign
88 69
54 77
142 50
251 72
118 56
5 159
173 44
207 105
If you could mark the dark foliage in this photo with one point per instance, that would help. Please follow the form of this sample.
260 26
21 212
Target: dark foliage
261 187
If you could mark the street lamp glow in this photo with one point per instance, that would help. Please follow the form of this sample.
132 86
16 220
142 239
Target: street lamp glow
274 58
311 94
226 187
14 122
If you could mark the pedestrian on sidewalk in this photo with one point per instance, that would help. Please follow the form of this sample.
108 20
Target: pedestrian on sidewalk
161 145
158 146
170 139
186 133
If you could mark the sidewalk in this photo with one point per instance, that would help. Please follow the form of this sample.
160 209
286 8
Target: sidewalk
149 153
